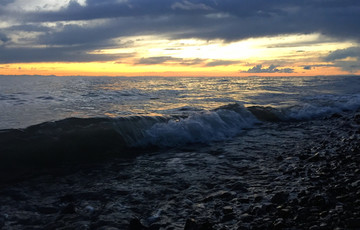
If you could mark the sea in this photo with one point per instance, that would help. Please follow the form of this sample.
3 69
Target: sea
157 147
31 100
168 112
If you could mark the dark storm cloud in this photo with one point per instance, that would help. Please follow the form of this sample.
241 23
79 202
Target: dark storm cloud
338 57
270 69
225 19
343 54
309 67
11 55
5 2
4 38
230 20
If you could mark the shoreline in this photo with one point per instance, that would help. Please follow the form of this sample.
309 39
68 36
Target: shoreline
310 186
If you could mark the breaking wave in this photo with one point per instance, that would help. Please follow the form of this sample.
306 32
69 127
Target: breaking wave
81 139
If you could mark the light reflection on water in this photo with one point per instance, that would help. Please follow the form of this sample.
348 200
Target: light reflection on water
29 100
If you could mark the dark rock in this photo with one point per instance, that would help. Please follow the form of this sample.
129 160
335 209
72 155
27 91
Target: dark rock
353 223
244 200
29 220
239 187
315 158
17 195
2 221
356 184
228 217
68 209
357 118
280 197
135 224
318 200
279 158
228 210
284 213
107 228
67 198
336 115
302 214
258 198
279 224
103 223
246 217
220 195
47 210
191 224
314 227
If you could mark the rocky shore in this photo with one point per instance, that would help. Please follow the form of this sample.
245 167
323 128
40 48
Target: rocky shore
312 183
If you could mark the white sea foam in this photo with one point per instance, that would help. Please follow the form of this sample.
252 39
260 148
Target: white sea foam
202 127
320 107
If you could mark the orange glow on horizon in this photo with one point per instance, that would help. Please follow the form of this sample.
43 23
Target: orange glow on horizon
112 69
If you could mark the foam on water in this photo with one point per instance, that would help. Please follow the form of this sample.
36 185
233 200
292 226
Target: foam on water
318 107
220 124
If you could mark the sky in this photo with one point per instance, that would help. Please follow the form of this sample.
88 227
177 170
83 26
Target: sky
180 37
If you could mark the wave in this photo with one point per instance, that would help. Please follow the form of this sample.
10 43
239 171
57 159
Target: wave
219 124
82 139
313 108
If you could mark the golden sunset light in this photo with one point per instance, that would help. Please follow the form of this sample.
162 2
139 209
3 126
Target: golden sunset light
68 38
149 56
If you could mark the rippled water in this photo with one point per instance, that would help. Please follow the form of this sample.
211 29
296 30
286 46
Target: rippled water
28 100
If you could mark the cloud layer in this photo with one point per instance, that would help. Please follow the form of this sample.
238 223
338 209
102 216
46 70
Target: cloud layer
74 31
270 69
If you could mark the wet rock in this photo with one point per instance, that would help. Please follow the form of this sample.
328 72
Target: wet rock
239 187
280 197
108 228
279 224
246 217
135 224
258 198
220 195
47 210
67 198
279 158
356 184
191 224
228 217
353 223
15 194
244 200
302 214
315 158
2 221
228 210
68 209
336 115
284 213
319 201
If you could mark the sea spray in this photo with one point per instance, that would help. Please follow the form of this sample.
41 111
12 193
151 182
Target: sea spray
217 125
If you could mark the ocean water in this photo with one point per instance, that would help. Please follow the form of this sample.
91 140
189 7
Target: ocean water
26 101
162 112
